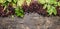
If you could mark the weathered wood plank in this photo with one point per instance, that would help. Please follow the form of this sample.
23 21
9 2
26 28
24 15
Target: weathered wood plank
30 21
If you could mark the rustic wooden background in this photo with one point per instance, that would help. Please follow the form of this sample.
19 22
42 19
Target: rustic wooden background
30 21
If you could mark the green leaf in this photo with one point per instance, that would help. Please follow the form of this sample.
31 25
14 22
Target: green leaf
51 1
54 11
16 10
47 1
19 11
59 3
15 1
14 5
48 6
6 3
9 0
41 1
51 9
2 1
20 2
28 2
45 6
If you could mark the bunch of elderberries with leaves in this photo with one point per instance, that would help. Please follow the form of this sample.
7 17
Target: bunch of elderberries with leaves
8 8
